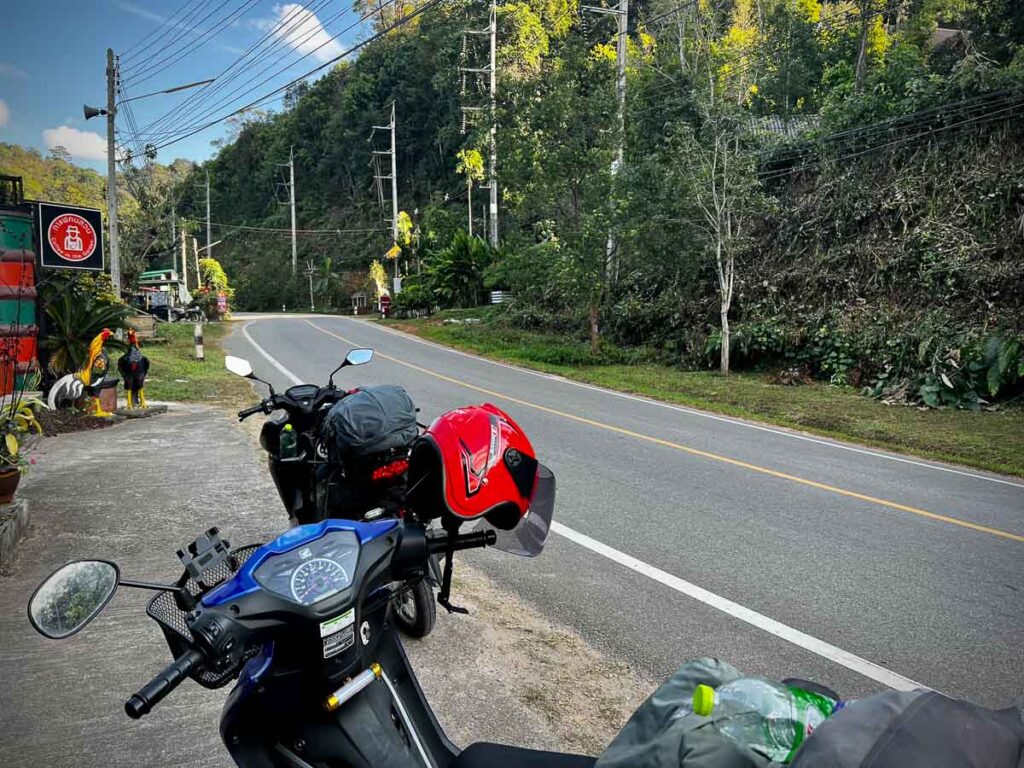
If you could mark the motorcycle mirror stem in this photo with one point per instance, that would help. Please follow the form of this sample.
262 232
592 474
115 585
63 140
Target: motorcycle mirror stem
359 356
182 596
241 367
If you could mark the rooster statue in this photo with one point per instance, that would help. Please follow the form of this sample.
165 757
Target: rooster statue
87 380
133 366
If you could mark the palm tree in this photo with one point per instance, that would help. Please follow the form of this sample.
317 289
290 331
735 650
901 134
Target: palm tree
471 165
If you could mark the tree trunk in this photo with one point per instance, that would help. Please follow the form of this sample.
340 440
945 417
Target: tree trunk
862 55
469 197
724 365
595 331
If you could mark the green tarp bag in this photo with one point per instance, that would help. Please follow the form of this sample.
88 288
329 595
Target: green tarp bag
664 732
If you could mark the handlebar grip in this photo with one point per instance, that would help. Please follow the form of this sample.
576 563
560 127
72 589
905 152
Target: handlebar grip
438 545
156 689
247 412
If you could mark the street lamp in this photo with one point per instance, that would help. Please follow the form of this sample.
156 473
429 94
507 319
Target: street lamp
111 112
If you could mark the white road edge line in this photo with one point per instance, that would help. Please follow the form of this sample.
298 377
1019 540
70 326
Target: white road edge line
287 374
801 639
819 647
691 411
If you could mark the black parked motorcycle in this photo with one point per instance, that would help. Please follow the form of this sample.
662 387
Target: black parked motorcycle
336 453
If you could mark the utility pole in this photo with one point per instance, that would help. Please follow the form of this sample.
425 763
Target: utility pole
394 185
184 262
621 15
493 229
291 191
309 273
208 238
115 252
491 69
174 241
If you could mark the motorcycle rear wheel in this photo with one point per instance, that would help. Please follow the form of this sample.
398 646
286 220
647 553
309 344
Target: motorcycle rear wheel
414 610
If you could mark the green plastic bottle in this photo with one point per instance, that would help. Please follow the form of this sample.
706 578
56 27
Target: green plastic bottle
763 717
289 445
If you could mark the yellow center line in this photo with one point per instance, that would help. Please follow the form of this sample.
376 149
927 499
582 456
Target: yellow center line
694 451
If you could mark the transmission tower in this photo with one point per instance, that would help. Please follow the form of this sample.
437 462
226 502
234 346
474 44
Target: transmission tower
489 69
379 178
621 14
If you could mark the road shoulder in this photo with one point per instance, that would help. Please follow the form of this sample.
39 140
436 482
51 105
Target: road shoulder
135 493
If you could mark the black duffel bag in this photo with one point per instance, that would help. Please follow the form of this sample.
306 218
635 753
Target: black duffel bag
371 420
915 729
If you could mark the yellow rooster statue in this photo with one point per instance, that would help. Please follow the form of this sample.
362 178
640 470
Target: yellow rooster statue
87 380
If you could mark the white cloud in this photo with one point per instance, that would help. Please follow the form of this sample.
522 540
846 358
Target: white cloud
5 113
12 72
84 145
302 30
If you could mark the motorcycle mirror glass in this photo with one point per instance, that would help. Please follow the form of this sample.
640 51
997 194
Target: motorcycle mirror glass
359 356
238 366
72 597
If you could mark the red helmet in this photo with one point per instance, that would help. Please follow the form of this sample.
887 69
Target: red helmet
476 464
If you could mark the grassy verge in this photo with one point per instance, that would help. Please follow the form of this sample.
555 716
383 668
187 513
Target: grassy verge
175 375
992 440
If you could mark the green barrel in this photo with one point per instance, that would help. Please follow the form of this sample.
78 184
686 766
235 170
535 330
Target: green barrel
15 231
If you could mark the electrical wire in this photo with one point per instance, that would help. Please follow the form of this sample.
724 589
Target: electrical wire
181 120
910 120
231 97
288 231
134 50
998 115
156 68
277 92
179 112
194 28
187 25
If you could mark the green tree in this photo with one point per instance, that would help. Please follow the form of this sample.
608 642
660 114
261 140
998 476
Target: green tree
471 166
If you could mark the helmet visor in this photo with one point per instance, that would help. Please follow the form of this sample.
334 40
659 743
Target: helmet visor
527 539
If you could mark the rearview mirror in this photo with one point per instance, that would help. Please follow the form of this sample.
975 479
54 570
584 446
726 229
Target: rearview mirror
238 366
359 356
72 597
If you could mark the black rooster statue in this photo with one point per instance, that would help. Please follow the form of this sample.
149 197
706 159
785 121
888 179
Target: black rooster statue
133 367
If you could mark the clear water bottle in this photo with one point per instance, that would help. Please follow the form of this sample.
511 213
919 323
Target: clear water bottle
766 718
289 443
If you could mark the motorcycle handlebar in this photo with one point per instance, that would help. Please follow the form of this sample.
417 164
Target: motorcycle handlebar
247 412
142 702
438 545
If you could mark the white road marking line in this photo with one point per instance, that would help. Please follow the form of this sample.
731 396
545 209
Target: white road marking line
801 639
287 374
691 411
771 626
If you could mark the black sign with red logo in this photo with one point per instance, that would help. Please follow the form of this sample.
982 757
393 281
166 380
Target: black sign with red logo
70 237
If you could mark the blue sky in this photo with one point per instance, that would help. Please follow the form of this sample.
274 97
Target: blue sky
53 57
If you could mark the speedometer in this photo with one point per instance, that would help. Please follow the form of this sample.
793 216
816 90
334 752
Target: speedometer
316 579
311 570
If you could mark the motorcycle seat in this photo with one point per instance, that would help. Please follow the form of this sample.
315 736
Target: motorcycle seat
485 755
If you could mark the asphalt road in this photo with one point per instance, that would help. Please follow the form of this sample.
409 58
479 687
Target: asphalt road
684 534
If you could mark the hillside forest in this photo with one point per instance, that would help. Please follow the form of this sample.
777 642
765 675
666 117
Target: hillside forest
833 189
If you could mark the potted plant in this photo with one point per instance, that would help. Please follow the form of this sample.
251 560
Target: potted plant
17 422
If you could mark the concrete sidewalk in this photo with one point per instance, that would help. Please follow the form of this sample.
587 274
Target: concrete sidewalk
135 493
